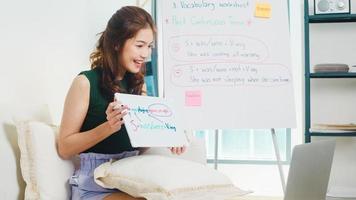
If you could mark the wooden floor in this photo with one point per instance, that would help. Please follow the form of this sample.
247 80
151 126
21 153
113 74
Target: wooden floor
251 197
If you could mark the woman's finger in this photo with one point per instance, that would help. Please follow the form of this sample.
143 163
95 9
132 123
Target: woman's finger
115 124
113 121
118 124
110 108
122 108
179 150
176 150
183 148
123 113
112 114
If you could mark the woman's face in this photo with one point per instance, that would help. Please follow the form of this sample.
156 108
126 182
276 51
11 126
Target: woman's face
136 50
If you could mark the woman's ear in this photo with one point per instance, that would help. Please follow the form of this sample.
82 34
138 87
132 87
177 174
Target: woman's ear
116 47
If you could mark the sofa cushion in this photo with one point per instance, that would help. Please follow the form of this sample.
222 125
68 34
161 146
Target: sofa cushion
45 173
158 177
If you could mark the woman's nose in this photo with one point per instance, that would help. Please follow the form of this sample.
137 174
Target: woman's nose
145 53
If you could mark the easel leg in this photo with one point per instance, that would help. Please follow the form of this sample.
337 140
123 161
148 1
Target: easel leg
276 149
216 149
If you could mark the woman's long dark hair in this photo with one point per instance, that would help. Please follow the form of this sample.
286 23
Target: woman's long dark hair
123 25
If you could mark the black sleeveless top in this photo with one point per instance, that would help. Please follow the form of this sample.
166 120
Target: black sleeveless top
119 141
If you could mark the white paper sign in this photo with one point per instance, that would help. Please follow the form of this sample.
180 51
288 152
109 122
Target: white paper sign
151 122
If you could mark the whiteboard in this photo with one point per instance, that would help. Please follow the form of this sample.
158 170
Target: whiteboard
152 122
226 64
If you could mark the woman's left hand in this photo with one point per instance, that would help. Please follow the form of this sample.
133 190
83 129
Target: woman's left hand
177 150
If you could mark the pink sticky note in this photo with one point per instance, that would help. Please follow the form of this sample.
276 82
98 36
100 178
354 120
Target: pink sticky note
193 98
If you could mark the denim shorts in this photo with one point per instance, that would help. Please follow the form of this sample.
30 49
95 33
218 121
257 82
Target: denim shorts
82 182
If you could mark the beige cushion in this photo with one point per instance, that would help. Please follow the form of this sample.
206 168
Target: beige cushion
45 173
196 151
158 177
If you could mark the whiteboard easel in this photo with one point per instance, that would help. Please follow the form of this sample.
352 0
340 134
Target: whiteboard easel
198 46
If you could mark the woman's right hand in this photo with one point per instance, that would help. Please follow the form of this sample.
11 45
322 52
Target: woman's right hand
114 114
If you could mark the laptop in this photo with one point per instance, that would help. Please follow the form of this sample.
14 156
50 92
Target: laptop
310 171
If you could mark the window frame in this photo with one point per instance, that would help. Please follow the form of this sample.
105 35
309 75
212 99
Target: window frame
252 161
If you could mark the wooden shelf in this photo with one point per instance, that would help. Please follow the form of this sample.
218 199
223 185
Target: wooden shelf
347 134
332 18
332 75
309 76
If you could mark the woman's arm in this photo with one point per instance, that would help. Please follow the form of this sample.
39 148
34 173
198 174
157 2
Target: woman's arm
71 141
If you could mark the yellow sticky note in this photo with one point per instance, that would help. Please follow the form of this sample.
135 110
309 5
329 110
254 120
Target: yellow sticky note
263 10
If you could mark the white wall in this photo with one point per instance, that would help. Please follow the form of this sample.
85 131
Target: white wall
334 99
44 45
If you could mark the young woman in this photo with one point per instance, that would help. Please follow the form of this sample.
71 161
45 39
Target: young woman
92 125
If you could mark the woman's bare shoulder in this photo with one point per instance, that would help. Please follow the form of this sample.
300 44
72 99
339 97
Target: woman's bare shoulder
81 81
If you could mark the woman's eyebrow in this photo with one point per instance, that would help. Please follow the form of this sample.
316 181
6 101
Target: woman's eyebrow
141 41
144 42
